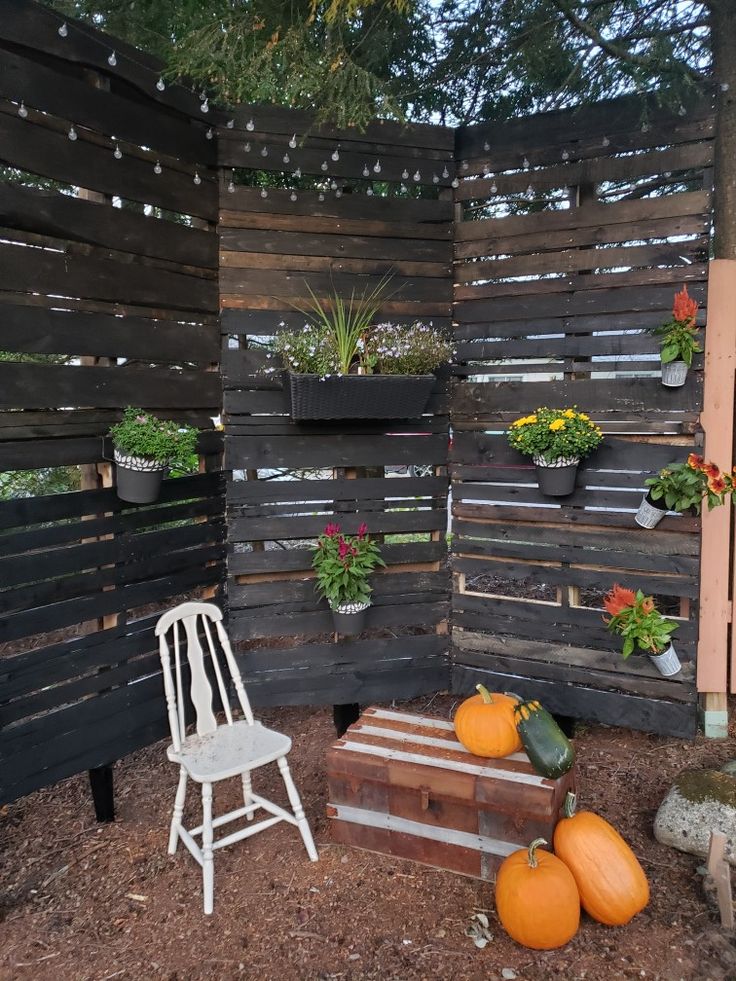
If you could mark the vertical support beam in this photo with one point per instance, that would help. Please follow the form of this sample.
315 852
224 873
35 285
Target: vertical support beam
717 420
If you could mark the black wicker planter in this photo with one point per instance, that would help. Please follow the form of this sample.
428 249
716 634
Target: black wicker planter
358 396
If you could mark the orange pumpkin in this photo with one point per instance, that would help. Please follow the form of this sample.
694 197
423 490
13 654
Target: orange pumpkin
537 900
484 724
612 884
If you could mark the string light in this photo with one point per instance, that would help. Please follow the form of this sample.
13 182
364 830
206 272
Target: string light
402 187
210 133
494 188
369 192
338 193
435 179
293 196
455 182
366 171
336 154
112 59
565 155
324 165
725 86
377 167
298 173
405 174
645 127
205 107
63 30
292 142
486 146
530 191
465 165
682 111
605 141
264 192
321 196
160 84
231 185
72 134
445 173
246 147
22 111
250 125
230 124
117 152
264 151
286 158
525 163
197 179
157 167
417 175
333 185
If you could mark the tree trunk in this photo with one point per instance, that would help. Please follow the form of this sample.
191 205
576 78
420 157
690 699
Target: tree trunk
723 41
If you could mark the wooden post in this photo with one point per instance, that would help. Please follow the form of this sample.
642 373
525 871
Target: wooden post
720 872
717 420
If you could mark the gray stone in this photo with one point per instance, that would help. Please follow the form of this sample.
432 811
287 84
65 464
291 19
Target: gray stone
699 801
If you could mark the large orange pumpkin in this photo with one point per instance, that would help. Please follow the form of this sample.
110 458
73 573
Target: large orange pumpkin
484 724
612 884
537 900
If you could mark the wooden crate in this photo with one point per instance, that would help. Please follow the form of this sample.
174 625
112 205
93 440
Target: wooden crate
402 785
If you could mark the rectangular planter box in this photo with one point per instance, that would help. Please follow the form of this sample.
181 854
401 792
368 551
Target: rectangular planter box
402 785
358 396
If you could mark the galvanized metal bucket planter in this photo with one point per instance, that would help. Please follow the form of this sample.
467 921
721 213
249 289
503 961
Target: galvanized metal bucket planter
349 618
557 479
667 663
674 374
138 479
357 396
649 514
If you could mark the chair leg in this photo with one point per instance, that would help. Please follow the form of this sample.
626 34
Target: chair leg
208 865
296 806
181 792
247 791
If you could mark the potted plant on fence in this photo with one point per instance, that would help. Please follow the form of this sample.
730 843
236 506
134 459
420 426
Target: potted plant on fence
679 340
343 564
341 366
682 486
144 448
635 618
556 440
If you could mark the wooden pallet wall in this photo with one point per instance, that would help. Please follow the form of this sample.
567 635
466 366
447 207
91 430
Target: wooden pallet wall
575 228
340 238
114 266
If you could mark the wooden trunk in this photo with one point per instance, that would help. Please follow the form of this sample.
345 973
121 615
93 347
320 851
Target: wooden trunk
402 785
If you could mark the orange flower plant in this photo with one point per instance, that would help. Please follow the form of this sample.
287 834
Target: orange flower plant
635 617
685 485
679 335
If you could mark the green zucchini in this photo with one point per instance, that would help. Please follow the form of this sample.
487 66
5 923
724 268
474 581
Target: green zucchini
548 748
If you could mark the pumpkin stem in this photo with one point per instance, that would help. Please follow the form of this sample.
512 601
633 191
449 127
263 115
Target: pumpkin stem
484 694
571 800
533 863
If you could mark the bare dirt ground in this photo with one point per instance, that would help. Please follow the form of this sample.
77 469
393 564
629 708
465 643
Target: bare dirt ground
87 902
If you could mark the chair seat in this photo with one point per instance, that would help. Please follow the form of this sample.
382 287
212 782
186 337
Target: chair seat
229 750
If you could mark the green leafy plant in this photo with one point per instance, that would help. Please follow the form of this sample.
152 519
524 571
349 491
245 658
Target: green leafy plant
552 434
679 335
685 485
334 332
635 617
140 433
343 564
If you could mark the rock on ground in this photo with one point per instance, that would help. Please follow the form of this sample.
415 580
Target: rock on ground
699 801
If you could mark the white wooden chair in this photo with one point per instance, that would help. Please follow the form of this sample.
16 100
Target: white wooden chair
216 752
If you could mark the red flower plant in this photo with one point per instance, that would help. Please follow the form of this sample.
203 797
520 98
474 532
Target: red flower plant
618 599
332 530
695 462
711 471
717 484
684 308
363 530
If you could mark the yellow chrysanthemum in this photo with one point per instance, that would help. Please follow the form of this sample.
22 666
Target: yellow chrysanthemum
582 415
570 414
557 425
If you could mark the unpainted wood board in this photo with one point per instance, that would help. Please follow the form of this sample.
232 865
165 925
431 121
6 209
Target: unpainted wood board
61 94
36 386
35 330
49 153
634 712
63 216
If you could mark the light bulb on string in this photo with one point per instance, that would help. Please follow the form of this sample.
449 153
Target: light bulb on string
525 163
264 192
725 86
264 151
298 173
405 174
435 179
338 193
682 111
250 125
366 171
369 192
292 142
197 179
210 133
324 166
486 146
445 173
494 188
293 196
377 167
205 107
605 141
160 84
417 175
333 185
246 147
465 165
645 127
157 167
112 59
230 124
22 111
286 158
231 183
321 196
402 187
117 152
565 154
455 182
336 154
530 191
72 134
63 30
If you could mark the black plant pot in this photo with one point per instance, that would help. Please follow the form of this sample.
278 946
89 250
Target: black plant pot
349 624
137 486
358 396
557 481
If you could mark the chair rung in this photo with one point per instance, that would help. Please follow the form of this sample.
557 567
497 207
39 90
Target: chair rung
226 818
191 844
246 832
272 808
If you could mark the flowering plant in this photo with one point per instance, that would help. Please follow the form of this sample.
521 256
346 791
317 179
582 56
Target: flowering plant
685 485
140 433
343 564
679 335
635 618
552 434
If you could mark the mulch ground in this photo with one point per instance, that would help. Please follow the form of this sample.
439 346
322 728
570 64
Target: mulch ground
85 901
